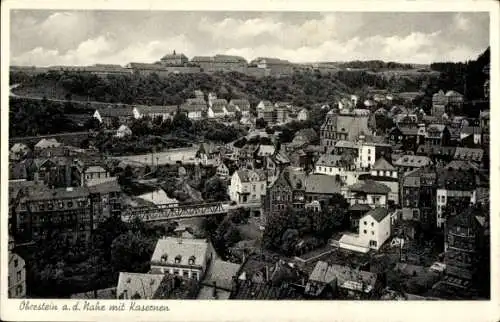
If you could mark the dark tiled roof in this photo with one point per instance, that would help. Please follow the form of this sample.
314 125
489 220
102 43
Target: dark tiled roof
382 164
469 154
370 186
248 290
378 213
44 193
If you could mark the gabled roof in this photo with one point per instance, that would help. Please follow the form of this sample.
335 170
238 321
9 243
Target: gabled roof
382 164
412 161
47 143
378 213
469 154
322 184
370 186
221 272
246 175
137 284
218 109
116 112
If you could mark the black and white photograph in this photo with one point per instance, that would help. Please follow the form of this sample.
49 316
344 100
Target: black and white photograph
306 156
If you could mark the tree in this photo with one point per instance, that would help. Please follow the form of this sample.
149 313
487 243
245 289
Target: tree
92 124
215 189
131 252
181 121
260 123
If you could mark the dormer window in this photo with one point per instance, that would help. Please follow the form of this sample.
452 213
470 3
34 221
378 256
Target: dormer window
178 259
164 258
192 260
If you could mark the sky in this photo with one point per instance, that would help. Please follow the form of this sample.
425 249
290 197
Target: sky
44 38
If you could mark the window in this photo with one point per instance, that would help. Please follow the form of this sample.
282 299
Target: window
18 276
50 206
176 272
192 260
365 223
185 274
178 259
369 158
16 262
364 231
194 275
19 290
41 206
70 204
372 224
373 233
61 204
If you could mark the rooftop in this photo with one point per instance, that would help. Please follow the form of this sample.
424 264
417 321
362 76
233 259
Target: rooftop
172 250
378 213
370 187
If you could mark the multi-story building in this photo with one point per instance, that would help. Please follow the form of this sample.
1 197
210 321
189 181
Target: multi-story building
348 125
274 66
174 59
437 134
189 258
93 174
247 186
466 249
72 212
44 212
338 165
367 192
105 201
373 230
16 273
53 172
418 191
385 173
455 187
408 163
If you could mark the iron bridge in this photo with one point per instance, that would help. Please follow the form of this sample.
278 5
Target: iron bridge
170 212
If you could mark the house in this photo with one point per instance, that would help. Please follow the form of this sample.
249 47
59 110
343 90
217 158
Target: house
230 110
368 192
194 108
338 165
174 59
417 197
163 112
188 258
344 282
385 173
46 144
91 173
106 200
222 170
208 153
138 286
268 114
154 286
19 151
455 188
318 187
347 125
16 273
264 105
466 243
373 230
53 172
114 115
216 111
218 282
439 101
123 131
469 154
37 208
437 153
247 186
241 105
408 163
437 134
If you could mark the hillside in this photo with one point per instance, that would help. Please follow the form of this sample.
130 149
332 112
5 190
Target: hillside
301 89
